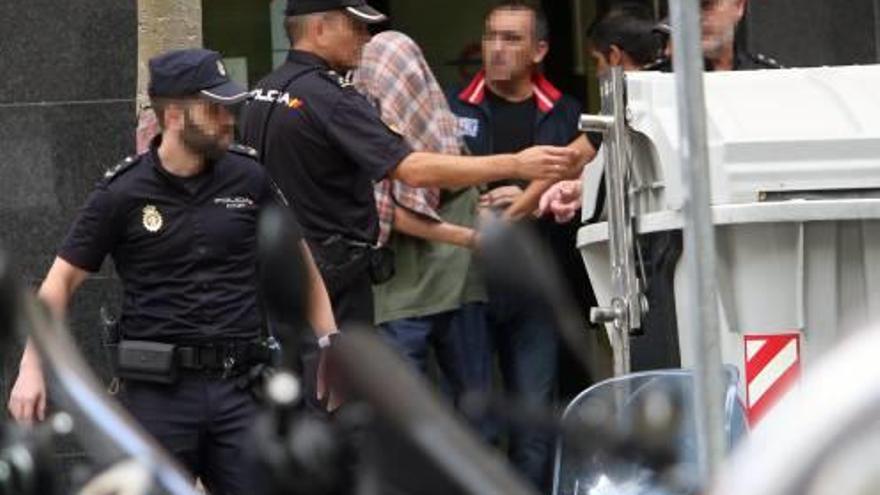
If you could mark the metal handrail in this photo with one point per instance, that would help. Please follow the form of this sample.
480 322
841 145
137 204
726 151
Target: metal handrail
627 306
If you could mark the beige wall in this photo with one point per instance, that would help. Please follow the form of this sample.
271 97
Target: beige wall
165 25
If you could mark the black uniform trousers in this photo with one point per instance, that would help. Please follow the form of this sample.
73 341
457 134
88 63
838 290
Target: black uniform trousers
205 422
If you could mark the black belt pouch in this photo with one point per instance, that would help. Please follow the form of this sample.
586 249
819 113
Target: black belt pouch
381 264
339 261
143 361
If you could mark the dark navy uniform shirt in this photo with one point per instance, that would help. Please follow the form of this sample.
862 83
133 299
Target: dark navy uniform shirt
185 249
743 60
324 144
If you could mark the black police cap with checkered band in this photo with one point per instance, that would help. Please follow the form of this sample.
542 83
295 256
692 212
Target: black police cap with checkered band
356 8
193 72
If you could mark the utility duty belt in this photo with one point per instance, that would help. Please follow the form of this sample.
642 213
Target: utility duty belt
159 362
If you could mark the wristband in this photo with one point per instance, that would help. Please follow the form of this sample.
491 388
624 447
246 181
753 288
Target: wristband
327 340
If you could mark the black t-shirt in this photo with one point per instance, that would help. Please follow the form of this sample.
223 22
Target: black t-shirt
513 129
324 144
185 250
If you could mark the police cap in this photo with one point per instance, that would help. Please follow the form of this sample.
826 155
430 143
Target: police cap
183 73
356 8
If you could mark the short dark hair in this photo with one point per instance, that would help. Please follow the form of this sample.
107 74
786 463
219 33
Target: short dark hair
295 25
542 26
159 105
630 27
292 26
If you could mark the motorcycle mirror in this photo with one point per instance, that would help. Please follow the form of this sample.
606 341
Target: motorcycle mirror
417 429
283 275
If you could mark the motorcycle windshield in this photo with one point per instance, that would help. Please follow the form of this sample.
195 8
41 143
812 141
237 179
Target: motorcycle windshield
636 435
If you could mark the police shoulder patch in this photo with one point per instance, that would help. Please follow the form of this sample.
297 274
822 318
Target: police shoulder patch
120 168
339 79
766 61
241 149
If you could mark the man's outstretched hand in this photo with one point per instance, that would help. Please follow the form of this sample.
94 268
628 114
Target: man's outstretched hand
27 401
563 200
547 162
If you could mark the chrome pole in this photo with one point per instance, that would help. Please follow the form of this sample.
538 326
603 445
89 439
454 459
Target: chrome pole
699 234
627 304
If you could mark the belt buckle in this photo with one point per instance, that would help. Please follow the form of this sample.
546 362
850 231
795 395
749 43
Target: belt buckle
222 359
228 366
230 359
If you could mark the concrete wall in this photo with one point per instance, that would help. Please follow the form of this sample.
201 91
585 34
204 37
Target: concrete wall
67 113
67 102
165 25
68 96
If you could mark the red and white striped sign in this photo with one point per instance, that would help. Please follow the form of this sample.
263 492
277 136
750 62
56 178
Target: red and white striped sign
773 367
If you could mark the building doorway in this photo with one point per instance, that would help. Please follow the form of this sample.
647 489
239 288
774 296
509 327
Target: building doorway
250 34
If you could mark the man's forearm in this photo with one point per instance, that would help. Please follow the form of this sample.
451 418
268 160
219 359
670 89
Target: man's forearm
55 292
584 149
30 357
413 225
320 311
528 201
450 171
58 287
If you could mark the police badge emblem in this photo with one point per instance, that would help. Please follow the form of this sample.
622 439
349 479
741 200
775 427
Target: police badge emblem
152 219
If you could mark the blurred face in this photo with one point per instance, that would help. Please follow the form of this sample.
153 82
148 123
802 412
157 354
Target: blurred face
602 65
720 18
207 129
510 48
615 57
343 39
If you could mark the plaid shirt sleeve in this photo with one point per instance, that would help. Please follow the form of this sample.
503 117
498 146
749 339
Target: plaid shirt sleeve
391 193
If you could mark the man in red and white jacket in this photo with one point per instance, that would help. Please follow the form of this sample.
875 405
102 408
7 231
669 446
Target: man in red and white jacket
510 106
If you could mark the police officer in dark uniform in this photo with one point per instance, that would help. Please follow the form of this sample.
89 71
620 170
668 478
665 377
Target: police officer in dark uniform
180 223
720 47
325 145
